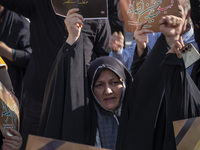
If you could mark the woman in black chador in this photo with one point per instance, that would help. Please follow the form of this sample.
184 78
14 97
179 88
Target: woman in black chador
83 106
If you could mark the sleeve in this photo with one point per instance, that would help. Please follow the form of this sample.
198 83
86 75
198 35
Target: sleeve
182 95
102 39
138 61
23 50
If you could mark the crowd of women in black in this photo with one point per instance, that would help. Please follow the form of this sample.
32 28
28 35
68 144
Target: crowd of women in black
74 92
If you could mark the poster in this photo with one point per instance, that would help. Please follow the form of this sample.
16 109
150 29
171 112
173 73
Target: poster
42 143
9 111
136 11
89 9
187 134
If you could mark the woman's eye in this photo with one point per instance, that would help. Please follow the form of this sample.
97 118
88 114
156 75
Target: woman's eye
115 82
99 85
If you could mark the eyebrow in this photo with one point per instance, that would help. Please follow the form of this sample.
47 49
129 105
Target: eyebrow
109 79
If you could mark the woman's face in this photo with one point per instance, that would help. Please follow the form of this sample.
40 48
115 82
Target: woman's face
108 89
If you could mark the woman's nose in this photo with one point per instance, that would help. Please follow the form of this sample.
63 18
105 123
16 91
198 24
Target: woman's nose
108 90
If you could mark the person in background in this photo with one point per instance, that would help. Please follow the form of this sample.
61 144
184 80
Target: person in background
15 46
48 32
144 39
118 34
9 142
116 24
89 105
162 92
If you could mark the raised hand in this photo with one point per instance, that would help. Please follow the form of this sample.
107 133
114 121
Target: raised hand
171 26
12 142
141 37
176 48
116 41
73 22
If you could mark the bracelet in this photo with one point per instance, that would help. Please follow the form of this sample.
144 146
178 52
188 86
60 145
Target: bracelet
13 53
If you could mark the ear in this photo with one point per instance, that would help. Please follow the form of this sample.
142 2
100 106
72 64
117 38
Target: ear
188 14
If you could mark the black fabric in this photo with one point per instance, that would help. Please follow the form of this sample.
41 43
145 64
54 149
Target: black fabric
195 16
14 32
196 73
115 24
109 62
138 61
48 33
68 111
156 98
63 113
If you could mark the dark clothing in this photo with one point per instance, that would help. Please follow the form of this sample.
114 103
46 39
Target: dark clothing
138 61
48 33
161 93
195 15
14 32
115 24
68 111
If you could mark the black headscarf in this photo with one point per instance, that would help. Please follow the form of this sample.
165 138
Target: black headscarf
107 121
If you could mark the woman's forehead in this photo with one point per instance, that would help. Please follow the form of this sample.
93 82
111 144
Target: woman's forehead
107 74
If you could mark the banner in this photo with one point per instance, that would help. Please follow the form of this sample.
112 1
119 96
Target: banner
89 9
42 143
136 11
187 134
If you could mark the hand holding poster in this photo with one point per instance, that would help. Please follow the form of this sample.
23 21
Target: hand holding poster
136 11
90 9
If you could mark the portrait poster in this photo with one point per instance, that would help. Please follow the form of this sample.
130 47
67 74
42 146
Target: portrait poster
9 111
89 9
187 134
136 11
43 143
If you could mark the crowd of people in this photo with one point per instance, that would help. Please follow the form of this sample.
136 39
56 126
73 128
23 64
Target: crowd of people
78 84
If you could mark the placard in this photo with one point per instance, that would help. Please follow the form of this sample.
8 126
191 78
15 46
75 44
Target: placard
9 111
89 9
42 143
187 134
136 11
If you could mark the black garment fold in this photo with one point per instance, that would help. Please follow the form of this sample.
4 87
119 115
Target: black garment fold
65 107
158 95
